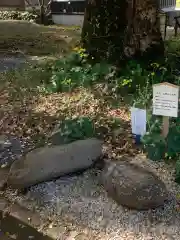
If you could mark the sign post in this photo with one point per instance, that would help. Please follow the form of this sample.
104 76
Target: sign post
165 103
165 127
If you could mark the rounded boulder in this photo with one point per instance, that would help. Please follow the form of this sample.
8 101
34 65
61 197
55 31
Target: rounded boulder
133 186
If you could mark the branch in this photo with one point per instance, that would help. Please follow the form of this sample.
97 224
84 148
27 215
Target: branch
39 2
31 5
27 1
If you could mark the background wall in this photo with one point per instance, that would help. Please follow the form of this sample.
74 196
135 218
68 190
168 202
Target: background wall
15 4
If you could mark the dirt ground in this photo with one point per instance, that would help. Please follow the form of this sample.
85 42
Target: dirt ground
33 39
26 114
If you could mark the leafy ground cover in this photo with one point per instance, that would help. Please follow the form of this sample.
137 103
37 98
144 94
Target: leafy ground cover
19 15
70 92
37 40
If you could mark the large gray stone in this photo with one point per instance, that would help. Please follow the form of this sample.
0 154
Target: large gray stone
46 163
133 186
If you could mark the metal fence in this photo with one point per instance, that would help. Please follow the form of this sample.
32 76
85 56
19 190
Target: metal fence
167 3
68 7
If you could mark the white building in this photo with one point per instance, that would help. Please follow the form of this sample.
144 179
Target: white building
72 12
68 12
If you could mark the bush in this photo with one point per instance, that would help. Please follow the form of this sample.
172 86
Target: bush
73 71
16 15
78 128
155 146
177 171
154 142
158 148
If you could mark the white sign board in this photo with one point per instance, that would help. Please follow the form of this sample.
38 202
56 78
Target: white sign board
138 121
165 99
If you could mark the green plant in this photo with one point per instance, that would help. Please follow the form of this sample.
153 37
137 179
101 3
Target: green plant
81 52
153 142
154 124
138 79
157 73
73 71
173 141
133 75
143 96
77 128
177 171
17 15
154 145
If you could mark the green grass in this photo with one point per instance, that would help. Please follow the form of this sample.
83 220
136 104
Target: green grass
33 39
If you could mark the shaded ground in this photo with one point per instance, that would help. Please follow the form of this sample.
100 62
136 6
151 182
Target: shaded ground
79 202
33 39
22 40
11 62
13 149
12 228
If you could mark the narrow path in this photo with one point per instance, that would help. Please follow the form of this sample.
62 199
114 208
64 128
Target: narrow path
11 61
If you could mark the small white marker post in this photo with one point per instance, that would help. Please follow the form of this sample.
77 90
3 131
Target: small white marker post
165 103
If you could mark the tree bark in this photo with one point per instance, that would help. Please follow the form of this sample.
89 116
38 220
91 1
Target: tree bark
122 29
41 5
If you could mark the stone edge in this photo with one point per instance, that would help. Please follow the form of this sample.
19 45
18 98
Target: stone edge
25 215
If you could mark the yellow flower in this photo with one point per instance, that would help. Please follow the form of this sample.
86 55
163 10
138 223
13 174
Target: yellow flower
178 196
75 49
155 65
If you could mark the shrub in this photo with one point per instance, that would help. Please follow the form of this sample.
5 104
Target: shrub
173 141
73 71
177 171
153 142
16 15
159 148
155 146
142 96
78 128
135 78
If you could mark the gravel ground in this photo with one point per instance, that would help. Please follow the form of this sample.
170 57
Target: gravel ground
81 203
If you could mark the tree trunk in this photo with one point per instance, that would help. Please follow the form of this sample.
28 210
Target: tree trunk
41 5
122 29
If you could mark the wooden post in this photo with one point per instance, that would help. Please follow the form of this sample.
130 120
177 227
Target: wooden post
165 129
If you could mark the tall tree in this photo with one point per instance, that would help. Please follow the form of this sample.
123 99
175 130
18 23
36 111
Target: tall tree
40 6
119 29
